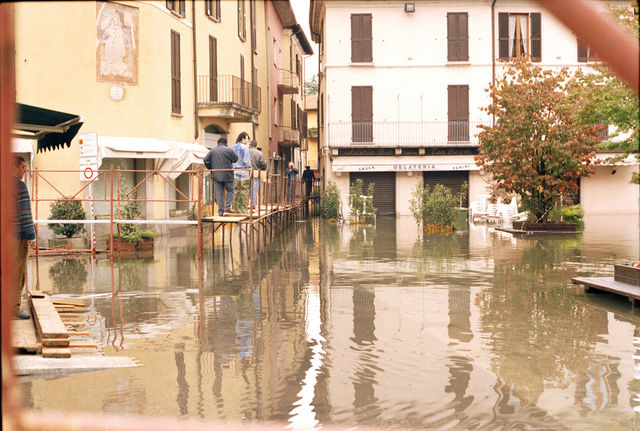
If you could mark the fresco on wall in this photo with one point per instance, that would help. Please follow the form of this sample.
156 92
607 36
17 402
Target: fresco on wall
117 43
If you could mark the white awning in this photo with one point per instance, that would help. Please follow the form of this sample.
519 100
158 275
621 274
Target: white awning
169 155
19 145
404 164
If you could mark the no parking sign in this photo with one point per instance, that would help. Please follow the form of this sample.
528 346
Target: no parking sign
88 156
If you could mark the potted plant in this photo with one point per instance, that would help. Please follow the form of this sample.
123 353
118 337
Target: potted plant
130 239
362 209
330 203
67 209
435 209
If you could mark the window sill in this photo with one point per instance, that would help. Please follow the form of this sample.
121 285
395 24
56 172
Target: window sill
362 63
176 14
177 115
243 39
212 18
458 63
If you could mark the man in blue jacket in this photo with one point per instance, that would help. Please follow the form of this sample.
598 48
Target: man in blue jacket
222 157
241 173
25 232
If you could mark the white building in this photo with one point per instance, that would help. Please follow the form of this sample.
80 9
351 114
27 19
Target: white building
402 85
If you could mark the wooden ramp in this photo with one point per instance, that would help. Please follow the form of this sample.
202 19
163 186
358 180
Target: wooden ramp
609 284
24 336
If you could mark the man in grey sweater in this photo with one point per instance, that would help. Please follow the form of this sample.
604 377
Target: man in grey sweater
222 157
257 162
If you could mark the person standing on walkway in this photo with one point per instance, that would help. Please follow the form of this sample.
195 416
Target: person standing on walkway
222 157
308 177
241 174
25 232
291 173
258 163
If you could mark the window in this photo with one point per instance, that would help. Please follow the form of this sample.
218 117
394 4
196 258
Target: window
213 69
176 6
242 21
458 37
362 114
175 72
254 29
585 53
212 9
293 113
519 35
255 99
458 113
361 38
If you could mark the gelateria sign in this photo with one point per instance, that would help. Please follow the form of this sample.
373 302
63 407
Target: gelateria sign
406 167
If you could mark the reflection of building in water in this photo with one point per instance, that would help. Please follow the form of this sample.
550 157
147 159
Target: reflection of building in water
634 386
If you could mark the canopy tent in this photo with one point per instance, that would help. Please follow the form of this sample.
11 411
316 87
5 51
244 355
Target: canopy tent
52 129
172 156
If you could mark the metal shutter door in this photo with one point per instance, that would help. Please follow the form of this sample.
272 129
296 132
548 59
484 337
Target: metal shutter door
451 179
384 196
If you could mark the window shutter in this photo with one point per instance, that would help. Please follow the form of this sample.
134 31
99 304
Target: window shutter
582 52
169 4
457 37
304 124
239 18
361 38
175 72
181 7
254 30
458 112
213 69
218 9
208 7
536 38
355 104
503 36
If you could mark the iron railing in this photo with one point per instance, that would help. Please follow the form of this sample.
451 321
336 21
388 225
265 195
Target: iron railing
403 133
288 79
288 135
228 89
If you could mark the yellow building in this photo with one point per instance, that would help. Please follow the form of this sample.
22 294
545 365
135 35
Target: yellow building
156 83
311 108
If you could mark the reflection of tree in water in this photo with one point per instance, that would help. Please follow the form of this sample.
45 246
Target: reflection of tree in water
69 275
330 234
361 242
541 336
133 274
439 253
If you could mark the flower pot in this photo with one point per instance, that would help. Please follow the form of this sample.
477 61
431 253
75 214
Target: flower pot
140 249
627 274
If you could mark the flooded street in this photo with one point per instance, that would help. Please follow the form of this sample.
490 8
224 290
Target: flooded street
370 326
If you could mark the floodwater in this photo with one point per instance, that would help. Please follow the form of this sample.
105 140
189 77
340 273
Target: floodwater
369 326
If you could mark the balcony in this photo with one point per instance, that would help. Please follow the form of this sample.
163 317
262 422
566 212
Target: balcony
227 96
288 137
390 134
288 82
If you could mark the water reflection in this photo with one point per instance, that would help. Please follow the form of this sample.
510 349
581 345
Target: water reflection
358 325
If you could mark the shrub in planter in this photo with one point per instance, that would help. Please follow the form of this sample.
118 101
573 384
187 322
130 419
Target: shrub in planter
330 202
129 211
436 207
362 209
573 214
66 209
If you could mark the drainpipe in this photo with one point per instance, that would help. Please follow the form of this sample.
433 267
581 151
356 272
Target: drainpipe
493 52
195 73
251 14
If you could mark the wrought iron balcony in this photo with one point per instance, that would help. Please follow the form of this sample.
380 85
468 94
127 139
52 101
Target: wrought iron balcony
403 133
223 90
288 136
288 82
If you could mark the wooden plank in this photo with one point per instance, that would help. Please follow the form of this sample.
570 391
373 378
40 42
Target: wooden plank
24 336
609 284
36 294
54 352
73 304
79 333
47 319
70 323
55 342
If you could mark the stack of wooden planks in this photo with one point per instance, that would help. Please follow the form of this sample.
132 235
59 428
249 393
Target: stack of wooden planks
52 321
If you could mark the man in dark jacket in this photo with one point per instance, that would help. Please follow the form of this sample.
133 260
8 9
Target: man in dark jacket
308 177
222 157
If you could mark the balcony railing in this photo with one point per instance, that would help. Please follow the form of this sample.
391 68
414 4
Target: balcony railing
288 81
288 135
403 133
228 89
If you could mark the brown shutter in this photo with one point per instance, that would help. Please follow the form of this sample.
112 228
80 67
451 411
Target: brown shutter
181 8
255 101
239 18
362 114
208 7
384 194
292 108
254 30
218 9
536 38
453 180
361 38
457 37
304 124
503 36
242 82
458 112
213 69
169 4
175 72
582 51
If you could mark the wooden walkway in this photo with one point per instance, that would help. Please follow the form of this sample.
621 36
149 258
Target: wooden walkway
609 284
260 224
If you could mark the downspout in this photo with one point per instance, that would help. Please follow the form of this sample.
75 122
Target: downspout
493 52
195 73
253 24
